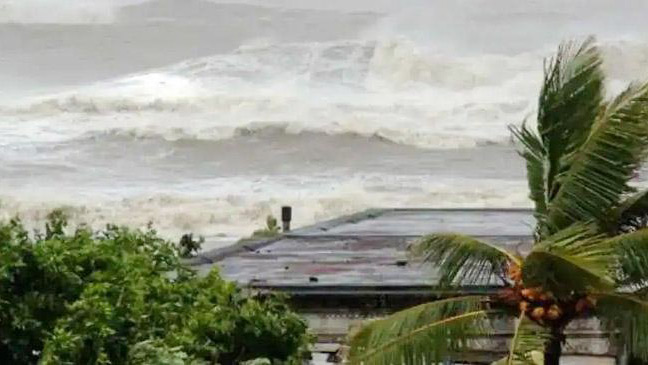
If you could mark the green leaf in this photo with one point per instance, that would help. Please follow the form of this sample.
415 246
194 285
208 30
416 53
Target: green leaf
124 296
575 259
627 315
632 255
528 340
599 171
527 345
463 260
534 154
427 333
570 100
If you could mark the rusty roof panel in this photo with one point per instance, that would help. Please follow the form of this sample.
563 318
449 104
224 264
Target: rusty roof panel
330 261
367 249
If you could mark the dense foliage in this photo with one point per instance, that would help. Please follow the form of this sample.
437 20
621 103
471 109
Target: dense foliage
590 251
123 296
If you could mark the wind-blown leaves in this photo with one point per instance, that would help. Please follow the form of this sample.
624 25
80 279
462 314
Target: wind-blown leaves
627 315
600 169
428 333
535 155
579 164
631 214
632 254
569 102
574 260
463 260
527 345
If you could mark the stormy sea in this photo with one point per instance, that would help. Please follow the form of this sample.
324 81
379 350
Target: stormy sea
206 116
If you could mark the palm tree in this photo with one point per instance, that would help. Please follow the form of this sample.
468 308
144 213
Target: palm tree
590 251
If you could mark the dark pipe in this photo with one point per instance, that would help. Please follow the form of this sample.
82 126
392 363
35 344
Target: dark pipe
286 217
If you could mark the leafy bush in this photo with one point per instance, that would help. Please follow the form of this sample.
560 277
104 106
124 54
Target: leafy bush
123 296
269 231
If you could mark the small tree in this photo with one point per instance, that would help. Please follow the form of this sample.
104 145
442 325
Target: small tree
189 246
590 255
123 296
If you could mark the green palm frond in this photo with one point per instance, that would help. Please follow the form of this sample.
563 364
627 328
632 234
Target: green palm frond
534 154
599 171
570 100
428 333
632 254
627 315
575 259
463 260
527 345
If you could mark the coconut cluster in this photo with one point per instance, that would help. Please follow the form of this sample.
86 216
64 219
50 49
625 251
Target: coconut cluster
541 305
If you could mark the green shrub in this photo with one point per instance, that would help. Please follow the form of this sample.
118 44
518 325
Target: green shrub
271 230
123 296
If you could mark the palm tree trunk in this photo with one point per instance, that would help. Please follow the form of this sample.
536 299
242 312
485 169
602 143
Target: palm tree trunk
553 349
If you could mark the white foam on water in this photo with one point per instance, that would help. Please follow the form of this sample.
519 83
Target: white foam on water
390 89
396 90
236 209
444 75
61 11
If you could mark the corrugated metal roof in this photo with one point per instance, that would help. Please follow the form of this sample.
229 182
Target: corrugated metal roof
363 250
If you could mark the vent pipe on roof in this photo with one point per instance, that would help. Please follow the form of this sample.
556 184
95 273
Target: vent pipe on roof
286 217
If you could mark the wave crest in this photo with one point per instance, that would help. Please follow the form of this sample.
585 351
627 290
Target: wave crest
390 89
227 216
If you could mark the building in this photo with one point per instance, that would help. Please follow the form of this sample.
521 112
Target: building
341 272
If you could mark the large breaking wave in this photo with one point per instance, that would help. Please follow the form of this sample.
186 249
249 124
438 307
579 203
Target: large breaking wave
391 89
394 90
